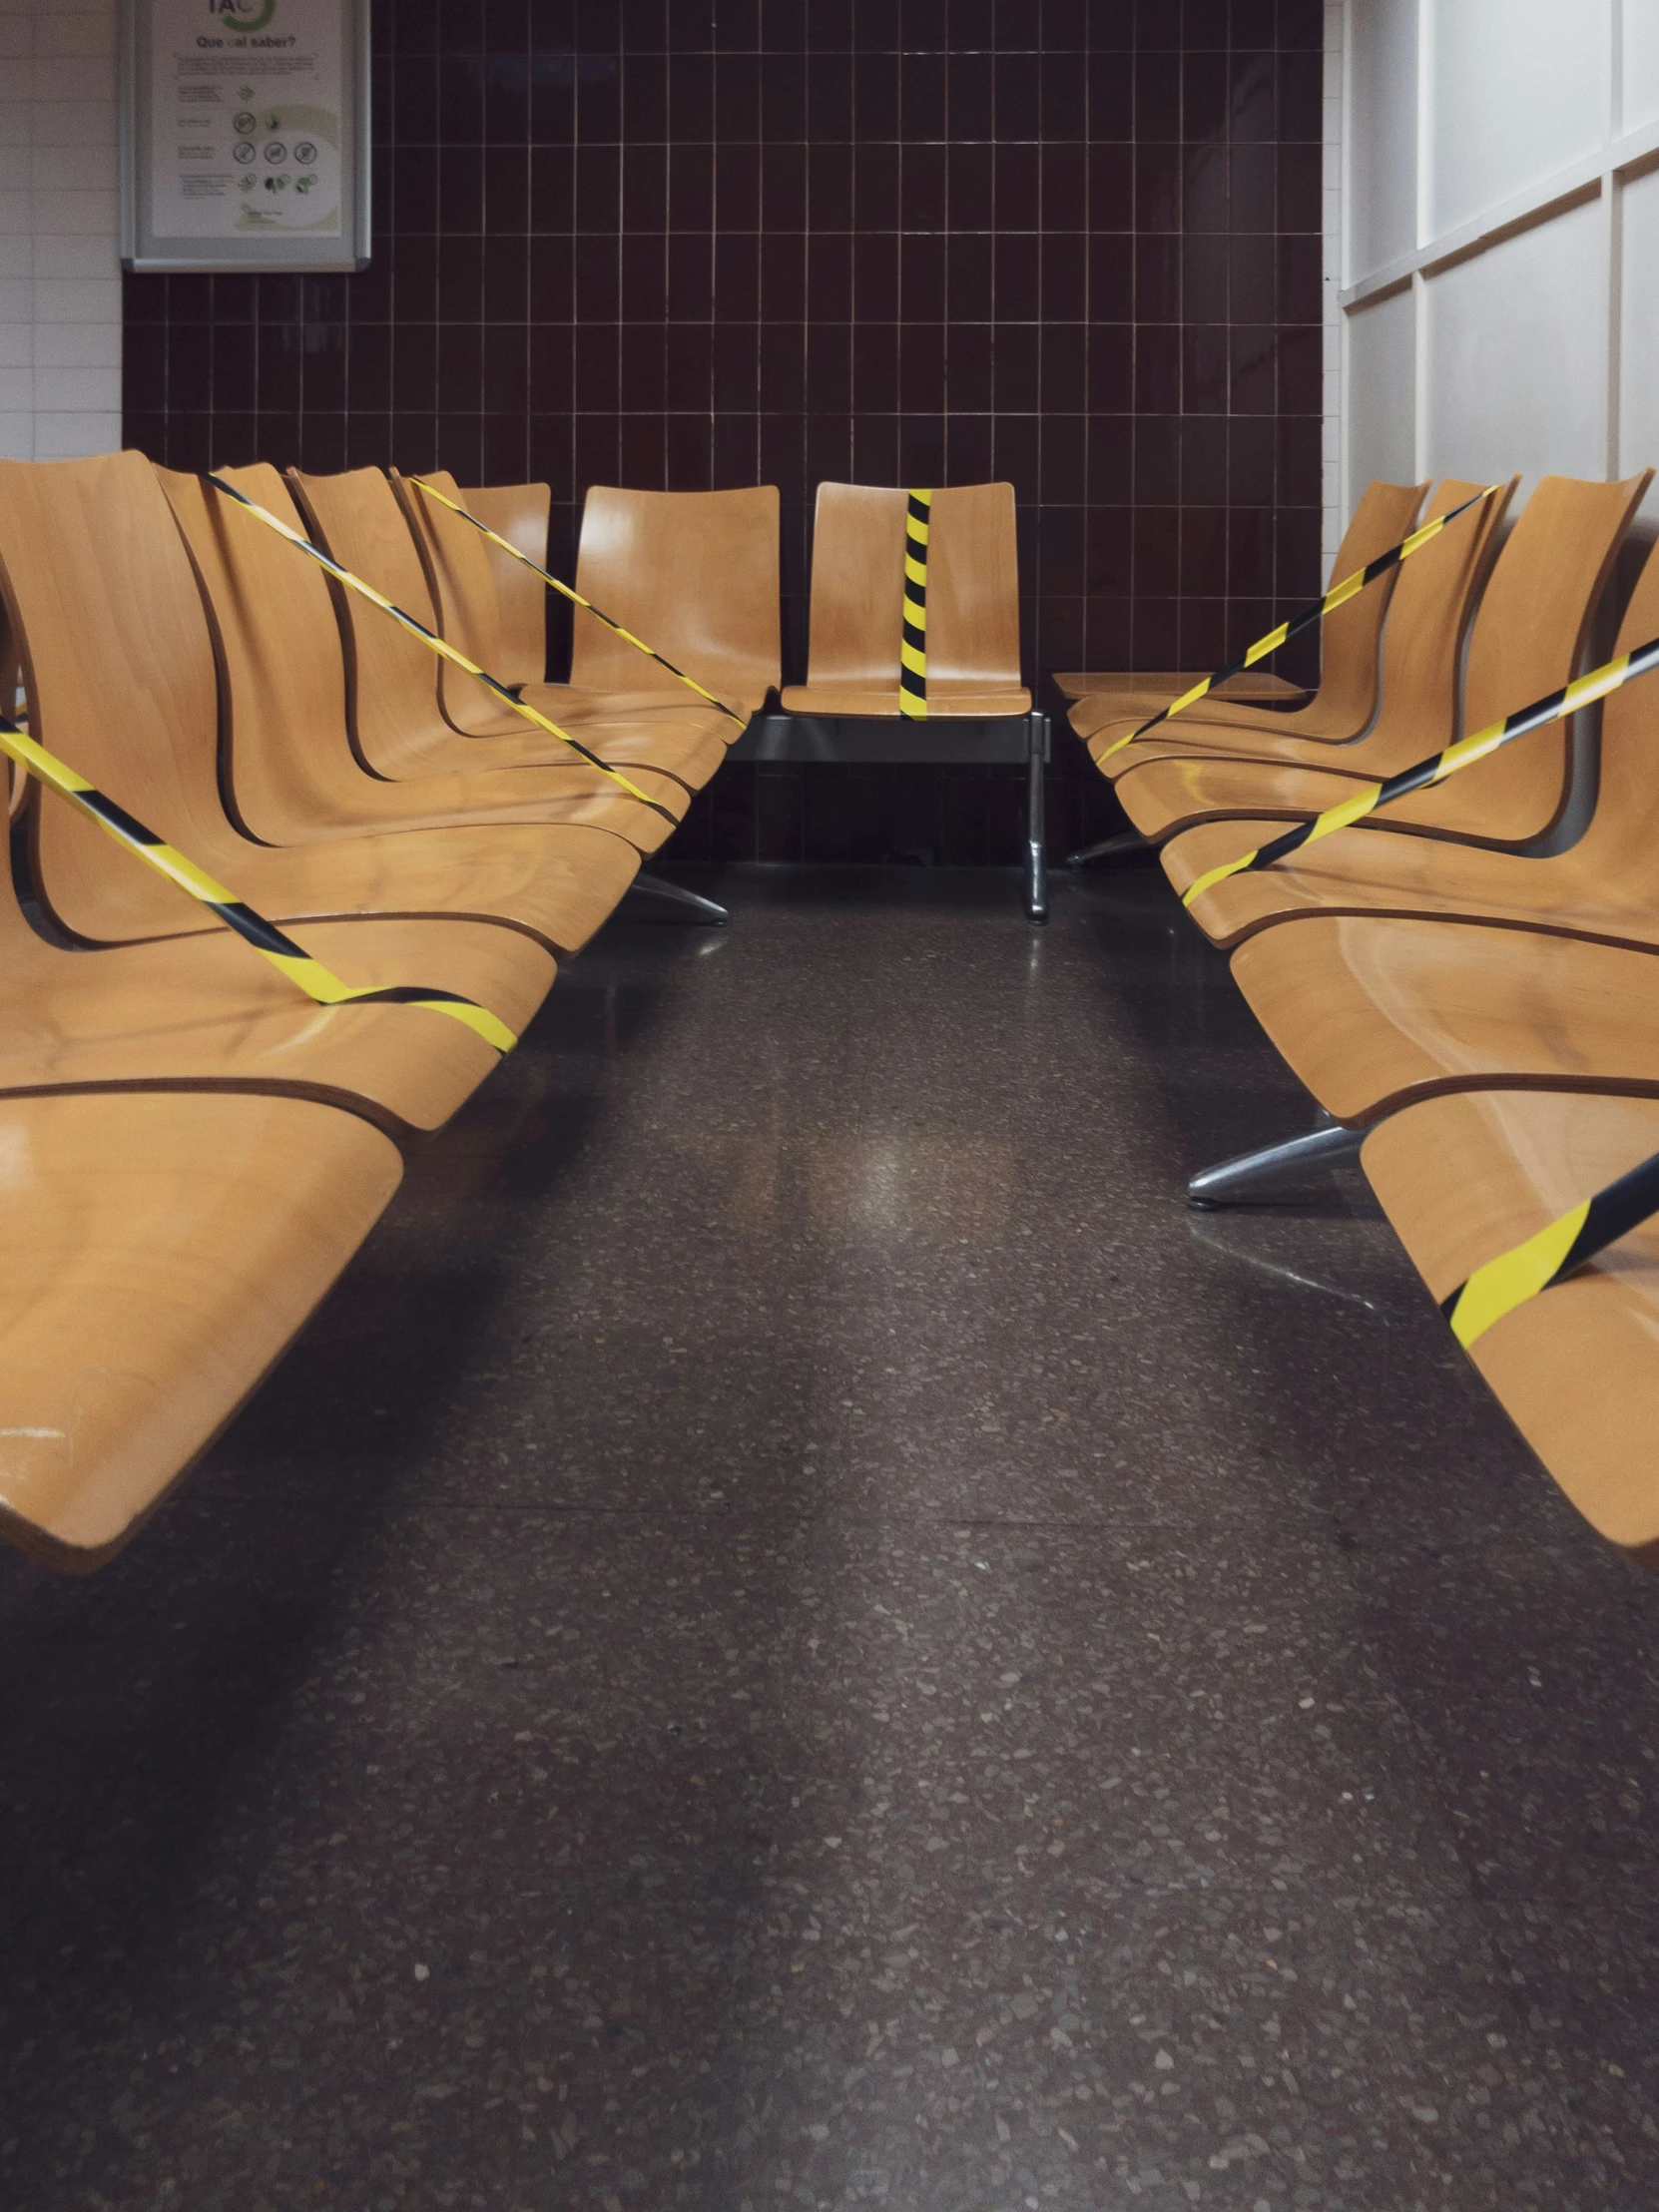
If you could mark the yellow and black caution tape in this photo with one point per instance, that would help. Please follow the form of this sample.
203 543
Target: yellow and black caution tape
912 650
295 963
1582 692
1338 596
575 597
1549 1257
440 646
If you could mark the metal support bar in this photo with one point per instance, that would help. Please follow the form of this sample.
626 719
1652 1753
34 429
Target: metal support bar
1036 831
1234 1182
692 904
1126 841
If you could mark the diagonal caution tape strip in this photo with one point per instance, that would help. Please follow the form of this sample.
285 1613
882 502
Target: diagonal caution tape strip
912 649
295 963
575 597
440 646
1555 1253
1556 705
1338 596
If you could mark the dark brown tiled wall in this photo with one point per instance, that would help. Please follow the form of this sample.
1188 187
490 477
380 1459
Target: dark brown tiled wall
692 242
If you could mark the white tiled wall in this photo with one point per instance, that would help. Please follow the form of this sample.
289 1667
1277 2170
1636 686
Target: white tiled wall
60 278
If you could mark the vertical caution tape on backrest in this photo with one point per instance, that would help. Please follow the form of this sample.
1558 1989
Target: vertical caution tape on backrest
912 651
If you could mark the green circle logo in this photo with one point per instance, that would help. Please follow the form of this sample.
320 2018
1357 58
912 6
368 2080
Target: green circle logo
247 15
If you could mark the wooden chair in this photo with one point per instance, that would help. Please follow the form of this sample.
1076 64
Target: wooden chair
1374 1014
685 734
857 593
1464 1178
161 1251
1606 884
398 726
543 848
1349 647
1527 636
520 513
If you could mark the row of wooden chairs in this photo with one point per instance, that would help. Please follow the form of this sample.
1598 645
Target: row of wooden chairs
191 1149
1466 984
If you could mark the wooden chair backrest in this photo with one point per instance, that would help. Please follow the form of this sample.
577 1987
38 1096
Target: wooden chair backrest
519 513
1434 603
1351 639
858 588
462 584
119 668
692 573
1528 635
1622 841
391 678
283 743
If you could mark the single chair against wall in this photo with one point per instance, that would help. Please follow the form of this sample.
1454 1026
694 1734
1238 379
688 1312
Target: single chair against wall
857 600
913 646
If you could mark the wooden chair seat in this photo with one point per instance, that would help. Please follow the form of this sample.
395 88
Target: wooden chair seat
1374 1014
162 1252
671 728
1191 789
1576 1368
1350 645
206 1011
398 726
1427 877
857 604
1606 884
945 698
287 750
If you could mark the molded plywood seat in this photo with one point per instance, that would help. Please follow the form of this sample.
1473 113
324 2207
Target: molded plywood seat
1576 1368
121 685
161 1251
1528 638
1604 885
207 1013
397 728
520 513
462 843
680 735
1350 644
857 600
1374 1014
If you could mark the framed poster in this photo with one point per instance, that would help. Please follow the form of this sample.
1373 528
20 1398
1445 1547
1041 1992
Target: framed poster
244 134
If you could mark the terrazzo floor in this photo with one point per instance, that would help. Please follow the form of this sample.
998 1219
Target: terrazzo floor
800 1633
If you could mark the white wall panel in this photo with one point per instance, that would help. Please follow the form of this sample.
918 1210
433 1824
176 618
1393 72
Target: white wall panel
1639 330
1640 63
1519 88
1382 388
1515 355
1381 135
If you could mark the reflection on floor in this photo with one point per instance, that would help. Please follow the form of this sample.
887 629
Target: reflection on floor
800 1633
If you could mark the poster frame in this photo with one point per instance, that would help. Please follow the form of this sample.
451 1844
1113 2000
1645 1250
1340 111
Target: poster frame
142 251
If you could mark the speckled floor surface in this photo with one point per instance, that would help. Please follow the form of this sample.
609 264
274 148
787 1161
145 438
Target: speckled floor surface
800 1633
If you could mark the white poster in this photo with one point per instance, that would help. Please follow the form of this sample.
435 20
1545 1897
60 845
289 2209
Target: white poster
247 107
